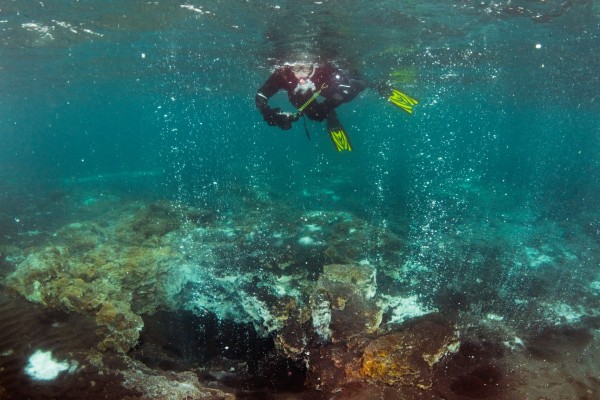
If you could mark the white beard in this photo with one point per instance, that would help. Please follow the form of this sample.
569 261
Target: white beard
305 87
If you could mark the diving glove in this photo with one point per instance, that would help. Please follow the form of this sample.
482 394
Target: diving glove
275 117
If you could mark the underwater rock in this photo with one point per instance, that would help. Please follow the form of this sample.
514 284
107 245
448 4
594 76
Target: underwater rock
404 358
10 255
346 317
338 335
252 271
408 357
122 324
341 310
109 271
537 259
157 219
320 306
348 238
37 276
161 217
166 385
350 290
291 340
96 284
361 277
561 313
399 309
342 303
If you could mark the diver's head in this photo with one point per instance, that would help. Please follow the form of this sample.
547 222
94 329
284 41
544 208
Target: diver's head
302 72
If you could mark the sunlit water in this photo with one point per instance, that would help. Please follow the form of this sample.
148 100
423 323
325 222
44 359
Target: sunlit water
492 184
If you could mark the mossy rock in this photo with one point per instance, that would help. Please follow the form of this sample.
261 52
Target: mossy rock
157 219
200 216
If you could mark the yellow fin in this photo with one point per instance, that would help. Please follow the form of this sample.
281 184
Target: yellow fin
340 140
402 100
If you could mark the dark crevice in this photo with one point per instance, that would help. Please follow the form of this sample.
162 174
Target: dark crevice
475 371
228 353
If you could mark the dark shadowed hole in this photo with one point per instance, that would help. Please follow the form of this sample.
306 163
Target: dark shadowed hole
230 353
479 383
488 374
473 371
470 386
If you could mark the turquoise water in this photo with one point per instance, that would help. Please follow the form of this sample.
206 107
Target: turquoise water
492 185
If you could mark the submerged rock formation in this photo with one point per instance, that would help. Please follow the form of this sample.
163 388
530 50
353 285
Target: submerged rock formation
292 281
408 357
356 349
168 385
116 272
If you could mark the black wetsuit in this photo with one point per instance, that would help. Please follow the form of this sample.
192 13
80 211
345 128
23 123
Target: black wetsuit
337 89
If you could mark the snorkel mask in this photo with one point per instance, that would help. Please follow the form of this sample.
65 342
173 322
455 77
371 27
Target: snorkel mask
302 72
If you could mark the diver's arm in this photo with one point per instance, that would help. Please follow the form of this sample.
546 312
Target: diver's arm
274 84
273 116
266 91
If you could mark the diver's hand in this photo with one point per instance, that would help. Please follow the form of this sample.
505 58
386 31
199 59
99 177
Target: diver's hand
281 119
285 120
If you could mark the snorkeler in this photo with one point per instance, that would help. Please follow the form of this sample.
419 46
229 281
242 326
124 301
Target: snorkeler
304 83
